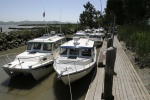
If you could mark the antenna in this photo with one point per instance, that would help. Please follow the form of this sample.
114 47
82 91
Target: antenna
60 18
44 19
101 6
101 10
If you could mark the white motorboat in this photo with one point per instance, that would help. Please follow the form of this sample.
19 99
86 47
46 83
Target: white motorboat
100 31
97 36
88 31
36 60
77 59
80 34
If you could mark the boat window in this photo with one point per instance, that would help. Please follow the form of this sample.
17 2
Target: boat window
98 36
91 36
94 36
59 43
86 52
63 51
55 46
74 51
47 47
29 46
80 35
63 41
37 46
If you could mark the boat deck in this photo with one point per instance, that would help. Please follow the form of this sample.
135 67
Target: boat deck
127 85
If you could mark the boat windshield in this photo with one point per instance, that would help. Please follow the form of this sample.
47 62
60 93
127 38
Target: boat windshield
94 36
37 46
29 46
47 47
74 51
80 35
63 51
86 52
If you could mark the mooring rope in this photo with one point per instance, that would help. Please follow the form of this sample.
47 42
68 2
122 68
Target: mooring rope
69 84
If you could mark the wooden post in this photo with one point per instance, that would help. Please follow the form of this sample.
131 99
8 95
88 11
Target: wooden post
0 29
109 70
109 42
109 35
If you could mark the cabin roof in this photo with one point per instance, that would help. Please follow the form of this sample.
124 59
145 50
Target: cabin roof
81 43
46 39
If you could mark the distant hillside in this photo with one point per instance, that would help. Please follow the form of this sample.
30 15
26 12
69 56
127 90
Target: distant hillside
30 22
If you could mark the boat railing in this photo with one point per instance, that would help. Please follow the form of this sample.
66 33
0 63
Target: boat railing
41 59
7 58
75 63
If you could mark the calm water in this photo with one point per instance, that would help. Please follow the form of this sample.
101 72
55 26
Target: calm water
5 28
49 88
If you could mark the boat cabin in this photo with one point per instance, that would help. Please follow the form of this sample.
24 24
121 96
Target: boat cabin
80 34
77 48
45 44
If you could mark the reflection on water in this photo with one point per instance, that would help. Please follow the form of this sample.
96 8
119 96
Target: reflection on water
20 82
47 88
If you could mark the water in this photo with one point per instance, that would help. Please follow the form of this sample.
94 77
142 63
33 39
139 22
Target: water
5 28
49 88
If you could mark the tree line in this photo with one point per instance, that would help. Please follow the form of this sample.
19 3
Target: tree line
125 12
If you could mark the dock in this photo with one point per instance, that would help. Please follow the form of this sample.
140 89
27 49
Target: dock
127 85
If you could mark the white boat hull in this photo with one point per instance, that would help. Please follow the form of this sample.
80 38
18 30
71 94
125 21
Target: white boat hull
76 76
41 72
37 72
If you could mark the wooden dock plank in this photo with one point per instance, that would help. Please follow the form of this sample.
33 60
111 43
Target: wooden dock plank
123 76
95 88
127 85
138 87
100 82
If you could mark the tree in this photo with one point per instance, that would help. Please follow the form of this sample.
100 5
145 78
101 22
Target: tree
114 8
90 17
134 10
127 11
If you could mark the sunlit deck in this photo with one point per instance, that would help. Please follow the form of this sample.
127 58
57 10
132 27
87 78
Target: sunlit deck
127 85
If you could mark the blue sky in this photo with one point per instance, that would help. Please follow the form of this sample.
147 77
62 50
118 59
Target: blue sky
32 10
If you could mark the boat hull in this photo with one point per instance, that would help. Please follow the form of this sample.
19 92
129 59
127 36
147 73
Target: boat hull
37 72
41 72
76 76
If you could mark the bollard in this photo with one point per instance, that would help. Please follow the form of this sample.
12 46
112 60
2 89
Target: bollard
109 70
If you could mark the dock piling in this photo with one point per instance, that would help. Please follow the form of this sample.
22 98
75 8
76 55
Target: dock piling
109 71
109 42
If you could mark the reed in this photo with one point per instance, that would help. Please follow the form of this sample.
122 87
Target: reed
137 39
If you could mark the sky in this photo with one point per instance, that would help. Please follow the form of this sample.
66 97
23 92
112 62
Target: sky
55 10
